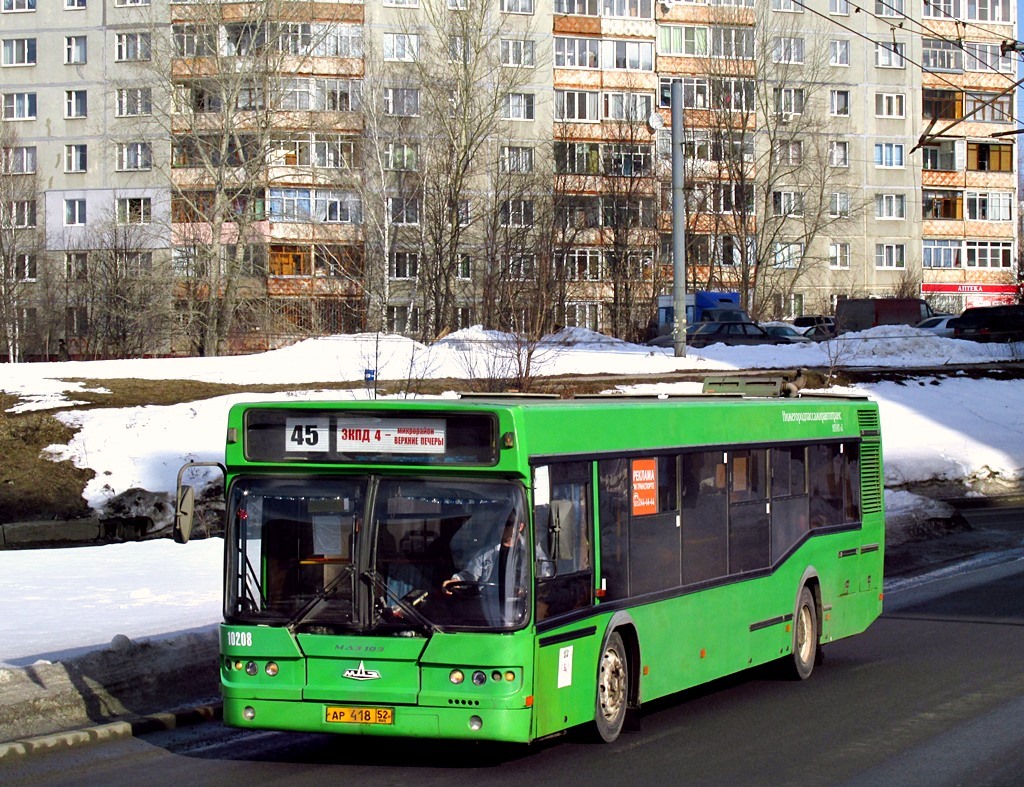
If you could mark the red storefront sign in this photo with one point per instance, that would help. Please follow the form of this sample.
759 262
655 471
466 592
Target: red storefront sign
969 289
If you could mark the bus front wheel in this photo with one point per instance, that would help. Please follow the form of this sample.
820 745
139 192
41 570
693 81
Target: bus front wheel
805 636
612 689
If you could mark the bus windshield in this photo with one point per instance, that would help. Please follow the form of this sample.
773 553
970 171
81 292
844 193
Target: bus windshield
360 553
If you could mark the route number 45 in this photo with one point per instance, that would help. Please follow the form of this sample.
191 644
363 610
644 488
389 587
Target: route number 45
308 434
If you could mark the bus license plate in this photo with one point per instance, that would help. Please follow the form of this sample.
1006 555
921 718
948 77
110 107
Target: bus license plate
348 715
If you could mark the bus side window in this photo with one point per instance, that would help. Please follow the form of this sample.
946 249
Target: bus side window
564 580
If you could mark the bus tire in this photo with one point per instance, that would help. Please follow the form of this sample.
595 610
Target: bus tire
805 636
612 689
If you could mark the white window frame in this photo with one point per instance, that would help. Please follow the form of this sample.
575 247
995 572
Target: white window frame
516 6
404 211
19 160
988 206
890 54
585 106
839 205
135 47
839 52
76 157
76 104
401 47
839 256
134 210
517 159
838 153
19 106
404 265
18 6
889 155
890 105
839 103
76 50
134 156
519 106
941 253
134 102
576 52
788 49
518 52
75 212
891 207
890 256
18 52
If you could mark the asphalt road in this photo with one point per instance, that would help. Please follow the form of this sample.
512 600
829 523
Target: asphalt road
932 694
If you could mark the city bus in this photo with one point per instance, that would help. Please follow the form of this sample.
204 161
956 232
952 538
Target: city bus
508 568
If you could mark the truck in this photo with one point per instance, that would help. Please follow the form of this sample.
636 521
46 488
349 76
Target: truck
858 314
703 306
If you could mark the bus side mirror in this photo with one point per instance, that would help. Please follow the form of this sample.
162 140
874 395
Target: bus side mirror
184 512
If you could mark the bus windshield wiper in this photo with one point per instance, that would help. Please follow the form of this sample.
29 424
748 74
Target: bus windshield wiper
317 600
372 579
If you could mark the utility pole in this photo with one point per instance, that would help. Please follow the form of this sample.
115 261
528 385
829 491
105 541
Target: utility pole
678 224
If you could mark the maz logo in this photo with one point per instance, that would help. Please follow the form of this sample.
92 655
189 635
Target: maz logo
361 673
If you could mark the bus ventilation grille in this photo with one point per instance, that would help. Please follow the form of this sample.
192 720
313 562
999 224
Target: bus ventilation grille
869 422
871 472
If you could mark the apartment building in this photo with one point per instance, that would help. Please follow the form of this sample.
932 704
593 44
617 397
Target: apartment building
273 170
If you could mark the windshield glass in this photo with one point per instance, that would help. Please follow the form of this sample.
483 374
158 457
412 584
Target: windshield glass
454 551
432 553
295 546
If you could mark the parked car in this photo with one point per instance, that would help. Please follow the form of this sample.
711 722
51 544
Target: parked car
820 333
940 325
991 324
730 333
786 332
811 320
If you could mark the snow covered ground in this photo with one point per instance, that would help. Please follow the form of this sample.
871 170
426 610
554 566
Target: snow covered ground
55 603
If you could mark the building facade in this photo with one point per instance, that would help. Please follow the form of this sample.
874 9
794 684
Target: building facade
206 177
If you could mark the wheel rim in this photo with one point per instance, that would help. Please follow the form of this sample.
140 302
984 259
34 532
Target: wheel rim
804 639
611 687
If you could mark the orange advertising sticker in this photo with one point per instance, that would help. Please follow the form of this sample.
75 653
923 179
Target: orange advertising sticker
645 486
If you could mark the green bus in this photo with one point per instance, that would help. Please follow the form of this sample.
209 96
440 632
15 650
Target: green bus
508 568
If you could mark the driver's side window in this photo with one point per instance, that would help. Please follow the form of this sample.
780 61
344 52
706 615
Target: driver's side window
562 532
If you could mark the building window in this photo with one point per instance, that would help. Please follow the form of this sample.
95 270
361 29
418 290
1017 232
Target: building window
839 256
194 40
577 52
889 105
634 9
989 254
889 8
890 206
989 206
134 156
517 6
404 265
74 212
76 265
402 101
683 40
401 46
519 106
25 267
332 206
989 157
134 101
578 7
521 267
941 156
941 104
19 106
839 52
333 153
403 319
787 203
19 214
74 5
789 100
889 155
20 160
635 107
839 204
987 58
577 106
736 43
890 255
404 210
942 254
839 7
516 213
518 160
941 55
628 55
518 52
942 204
890 55
401 156
942 9
11 6
839 154
786 49
790 6
76 104
19 52
134 210
988 10
787 255
789 152
132 47
75 50
839 103
76 158
989 107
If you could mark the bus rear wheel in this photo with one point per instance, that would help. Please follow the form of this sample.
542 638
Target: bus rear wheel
612 689
805 636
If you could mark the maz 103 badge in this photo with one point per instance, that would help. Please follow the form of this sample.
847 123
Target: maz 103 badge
398 436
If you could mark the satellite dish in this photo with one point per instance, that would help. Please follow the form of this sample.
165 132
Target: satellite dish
655 121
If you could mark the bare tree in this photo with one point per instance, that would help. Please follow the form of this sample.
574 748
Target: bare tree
21 243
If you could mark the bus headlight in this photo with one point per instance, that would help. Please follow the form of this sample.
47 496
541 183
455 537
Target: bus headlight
271 668
252 668
456 676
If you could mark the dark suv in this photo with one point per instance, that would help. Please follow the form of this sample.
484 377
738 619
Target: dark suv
991 324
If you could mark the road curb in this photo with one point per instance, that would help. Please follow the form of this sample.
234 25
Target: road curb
116 730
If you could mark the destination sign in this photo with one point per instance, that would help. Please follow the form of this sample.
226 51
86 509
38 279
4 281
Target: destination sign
413 436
